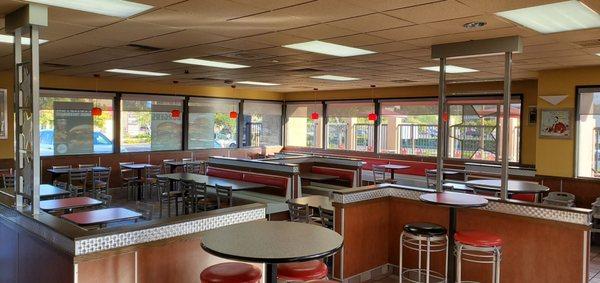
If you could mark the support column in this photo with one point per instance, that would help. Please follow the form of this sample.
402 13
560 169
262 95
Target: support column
26 92
506 125
441 126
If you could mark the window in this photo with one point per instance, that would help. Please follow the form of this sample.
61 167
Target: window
475 128
588 133
67 126
262 123
210 125
301 129
409 127
150 123
348 126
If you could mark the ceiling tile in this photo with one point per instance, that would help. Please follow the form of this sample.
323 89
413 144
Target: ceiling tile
372 22
434 12
410 32
215 10
325 10
504 5
358 40
270 4
181 39
384 5
320 31
79 17
56 30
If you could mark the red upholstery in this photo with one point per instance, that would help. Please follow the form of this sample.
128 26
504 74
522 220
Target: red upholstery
416 168
231 272
322 281
224 173
343 174
478 239
269 180
524 197
302 271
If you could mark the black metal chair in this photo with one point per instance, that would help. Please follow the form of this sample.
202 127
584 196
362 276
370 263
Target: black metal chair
128 179
167 194
77 183
106 199
101 181
299 212
166 167
224 195
151 178
326 218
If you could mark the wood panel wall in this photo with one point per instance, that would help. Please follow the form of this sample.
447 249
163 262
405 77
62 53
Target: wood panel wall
534 250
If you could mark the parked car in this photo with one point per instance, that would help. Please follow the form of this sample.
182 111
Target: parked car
102 144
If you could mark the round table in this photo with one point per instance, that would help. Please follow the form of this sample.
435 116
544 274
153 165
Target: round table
392 168
453 201
272 242
514 186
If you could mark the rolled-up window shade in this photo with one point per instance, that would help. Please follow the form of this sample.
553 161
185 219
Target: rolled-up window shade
589 102
262 108
304 109
345 109
211 105
151 103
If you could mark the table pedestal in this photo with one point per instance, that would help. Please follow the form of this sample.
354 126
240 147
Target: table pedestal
451 256
271 273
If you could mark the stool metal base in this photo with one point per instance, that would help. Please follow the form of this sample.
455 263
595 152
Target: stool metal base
427 245
483 255
420 275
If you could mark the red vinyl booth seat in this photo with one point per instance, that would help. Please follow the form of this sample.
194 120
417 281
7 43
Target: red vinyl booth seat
343 174
416 168
269 180
523 197
224 173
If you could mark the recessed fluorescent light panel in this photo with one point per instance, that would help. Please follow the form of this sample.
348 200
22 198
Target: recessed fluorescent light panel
556 17
327 48
24 40
335 78
115 8
209 63
450 69
597 54
135 72
257 83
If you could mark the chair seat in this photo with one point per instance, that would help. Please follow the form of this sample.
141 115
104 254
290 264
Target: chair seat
171 194
425 229
478 239
302 271
231 272
98 183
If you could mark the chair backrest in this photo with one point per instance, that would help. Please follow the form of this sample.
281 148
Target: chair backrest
166 167
77 177
299 212
195 168
152 171
224 193
102 175
8 181
379 175
431 177
61 167
106 199
87 165
163 184
124 171
326 218
146 209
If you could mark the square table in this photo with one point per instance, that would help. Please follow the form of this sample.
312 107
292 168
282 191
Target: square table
101 216
137 167
314 201
69 203
57 172
174 164
212 181
392 168
48 191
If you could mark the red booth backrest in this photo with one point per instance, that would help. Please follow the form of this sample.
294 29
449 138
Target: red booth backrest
343 174
269 180
224 173
416 168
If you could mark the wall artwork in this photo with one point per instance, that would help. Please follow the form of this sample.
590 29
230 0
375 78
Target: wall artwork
556 123
3 114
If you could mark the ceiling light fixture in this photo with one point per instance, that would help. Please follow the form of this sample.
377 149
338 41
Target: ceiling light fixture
135 72
474 25
597 54
257 83
4 38
335 78
555 17
450 69
327 48
115 8
208 63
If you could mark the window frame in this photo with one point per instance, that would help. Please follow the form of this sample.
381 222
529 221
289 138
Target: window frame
241 122
321 126
578 90
187 112
326 114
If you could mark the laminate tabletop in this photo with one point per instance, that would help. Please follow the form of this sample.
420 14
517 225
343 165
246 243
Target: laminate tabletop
48 191
67 170
101 216
454 199
392 166
68 203
514 186
314 201
212 181
136 166
272 242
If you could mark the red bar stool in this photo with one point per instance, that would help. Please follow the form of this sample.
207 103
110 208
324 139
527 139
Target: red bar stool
424 238
478 247
302 271
231 272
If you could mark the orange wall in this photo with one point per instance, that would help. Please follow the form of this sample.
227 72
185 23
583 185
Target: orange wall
107 84
527 88
555 157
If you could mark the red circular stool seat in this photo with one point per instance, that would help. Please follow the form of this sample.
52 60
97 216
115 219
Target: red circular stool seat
231 272
302 271
478 239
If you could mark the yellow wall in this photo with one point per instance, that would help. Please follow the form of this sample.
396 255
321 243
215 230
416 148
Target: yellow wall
107 84
555 157
527 88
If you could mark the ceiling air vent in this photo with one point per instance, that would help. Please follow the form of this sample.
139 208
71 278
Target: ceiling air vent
589 43
144 48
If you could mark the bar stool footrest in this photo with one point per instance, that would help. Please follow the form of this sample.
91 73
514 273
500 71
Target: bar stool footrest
419 275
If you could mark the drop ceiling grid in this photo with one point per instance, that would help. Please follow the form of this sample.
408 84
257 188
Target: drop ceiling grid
252 32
